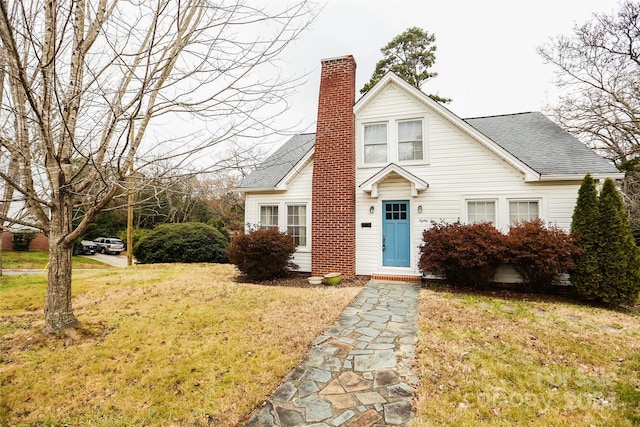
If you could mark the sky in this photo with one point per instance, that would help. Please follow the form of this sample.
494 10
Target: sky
486 56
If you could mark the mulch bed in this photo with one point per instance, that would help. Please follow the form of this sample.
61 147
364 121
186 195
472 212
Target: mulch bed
299 280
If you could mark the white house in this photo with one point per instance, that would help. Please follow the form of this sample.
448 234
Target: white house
357 195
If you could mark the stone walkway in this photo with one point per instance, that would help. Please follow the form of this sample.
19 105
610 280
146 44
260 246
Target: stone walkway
359 373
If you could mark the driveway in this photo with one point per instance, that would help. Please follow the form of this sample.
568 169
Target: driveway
114 260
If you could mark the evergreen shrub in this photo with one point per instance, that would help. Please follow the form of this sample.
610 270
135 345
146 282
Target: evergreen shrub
585 230
540 253
187 242
263 253
617 251
609 267
137 234
22 240
464 254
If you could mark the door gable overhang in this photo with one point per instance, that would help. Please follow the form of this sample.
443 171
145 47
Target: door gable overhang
371 185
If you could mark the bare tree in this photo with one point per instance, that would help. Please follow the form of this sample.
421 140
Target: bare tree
598 70
98 90
223 203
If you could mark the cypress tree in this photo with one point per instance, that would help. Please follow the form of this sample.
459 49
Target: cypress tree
618 255
584 230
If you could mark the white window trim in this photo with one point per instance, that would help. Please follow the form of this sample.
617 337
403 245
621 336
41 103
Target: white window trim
392 141
362 145
424 159
259 219
523 199
307 205
482 199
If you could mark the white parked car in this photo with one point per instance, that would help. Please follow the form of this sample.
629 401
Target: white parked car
109 245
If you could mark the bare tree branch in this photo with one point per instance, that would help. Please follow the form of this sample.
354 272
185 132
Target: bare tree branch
598 73
96 91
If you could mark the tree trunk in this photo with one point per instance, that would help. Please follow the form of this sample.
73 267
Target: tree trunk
58 312
1 252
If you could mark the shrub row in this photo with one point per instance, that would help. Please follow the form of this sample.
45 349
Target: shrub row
608 269
261 254
185 242
470 254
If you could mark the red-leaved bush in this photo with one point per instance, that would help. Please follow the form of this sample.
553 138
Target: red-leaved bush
540 253
465 254
262 254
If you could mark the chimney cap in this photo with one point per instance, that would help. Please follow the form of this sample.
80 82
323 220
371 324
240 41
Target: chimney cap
339 58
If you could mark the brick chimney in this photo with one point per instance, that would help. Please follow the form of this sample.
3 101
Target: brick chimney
333 224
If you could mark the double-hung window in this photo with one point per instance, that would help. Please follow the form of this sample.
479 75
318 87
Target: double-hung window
410 140
268 216
481 210
523 210
375 143
297 223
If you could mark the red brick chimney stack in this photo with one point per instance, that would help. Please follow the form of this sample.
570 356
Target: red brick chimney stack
333 224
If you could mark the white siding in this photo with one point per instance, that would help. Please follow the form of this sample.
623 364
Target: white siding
298 192
369 240
457 168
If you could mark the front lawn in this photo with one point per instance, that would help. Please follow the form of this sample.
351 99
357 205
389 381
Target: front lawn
187 345
510 359
37 260
159 345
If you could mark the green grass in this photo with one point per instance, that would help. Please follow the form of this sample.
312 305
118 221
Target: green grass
35 260
187 345
490 361
159 345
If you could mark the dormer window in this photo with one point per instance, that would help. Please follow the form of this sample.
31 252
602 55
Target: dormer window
410 140
375 143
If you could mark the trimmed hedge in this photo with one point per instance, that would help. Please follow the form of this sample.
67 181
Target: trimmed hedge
540 253
187 242
464 254
262 254
470 254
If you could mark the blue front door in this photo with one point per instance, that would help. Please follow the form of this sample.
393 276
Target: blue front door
396 234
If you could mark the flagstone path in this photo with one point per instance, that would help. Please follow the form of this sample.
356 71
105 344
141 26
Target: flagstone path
358 373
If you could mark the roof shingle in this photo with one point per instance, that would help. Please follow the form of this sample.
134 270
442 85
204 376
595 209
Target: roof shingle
530 137
271 172
541 144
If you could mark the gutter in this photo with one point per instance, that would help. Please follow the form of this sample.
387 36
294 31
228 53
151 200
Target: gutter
580 177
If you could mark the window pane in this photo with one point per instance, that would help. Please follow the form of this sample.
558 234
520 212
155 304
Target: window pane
268 216
410 150
297 223
481 211
375 153
523 211
375 134
410 140
410 131
375 143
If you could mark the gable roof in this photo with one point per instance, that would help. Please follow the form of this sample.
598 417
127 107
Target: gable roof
272 174
371 184
531 138
530 142
393 79
542 145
